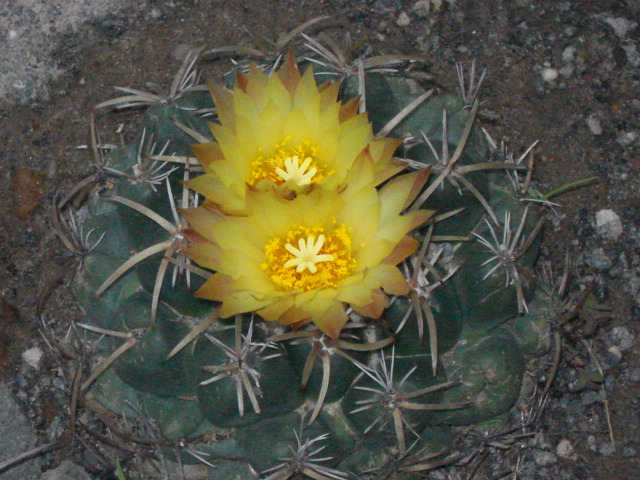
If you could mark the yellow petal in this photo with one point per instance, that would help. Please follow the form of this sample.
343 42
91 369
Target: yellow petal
349 109
205 254
332 320
228 197
329 94
355 294
274 311
405 247
289 73
390 278
373 253
374 309
223 100
202 221
207 153
218 287
240 302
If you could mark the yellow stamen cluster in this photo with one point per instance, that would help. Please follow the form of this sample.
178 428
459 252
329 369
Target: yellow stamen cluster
321 260
298 165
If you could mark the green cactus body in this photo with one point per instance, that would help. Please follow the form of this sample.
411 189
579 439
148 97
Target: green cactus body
254 389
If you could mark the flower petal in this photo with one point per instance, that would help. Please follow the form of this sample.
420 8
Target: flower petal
374 309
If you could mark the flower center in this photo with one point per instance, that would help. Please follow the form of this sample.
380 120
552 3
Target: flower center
296 165
306 255
321 259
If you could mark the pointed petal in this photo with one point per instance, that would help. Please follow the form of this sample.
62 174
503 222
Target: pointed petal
276 310
390 278
223 100
374 309
289 73
205 254
332 320
349 109
218 287
402 250
207 153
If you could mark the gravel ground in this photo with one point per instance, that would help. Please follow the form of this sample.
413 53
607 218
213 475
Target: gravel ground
562 72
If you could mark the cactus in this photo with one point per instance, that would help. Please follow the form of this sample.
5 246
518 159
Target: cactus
259 389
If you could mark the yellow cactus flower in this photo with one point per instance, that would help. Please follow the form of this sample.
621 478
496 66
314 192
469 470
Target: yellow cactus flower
303 260
282 131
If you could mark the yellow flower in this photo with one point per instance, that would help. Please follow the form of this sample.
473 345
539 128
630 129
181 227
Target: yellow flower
284 132
303 260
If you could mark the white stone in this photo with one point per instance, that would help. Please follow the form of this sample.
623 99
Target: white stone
627 138
544 459
565 450
632 54
622 338
422 8
615 351
12 35
32 357
567 70
593 122
403 19
569 54
549 74
608 224
621 26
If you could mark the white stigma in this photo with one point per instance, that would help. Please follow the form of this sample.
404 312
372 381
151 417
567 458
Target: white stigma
306 255
295 173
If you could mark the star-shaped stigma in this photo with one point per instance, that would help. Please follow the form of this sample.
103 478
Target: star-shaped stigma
296 174
307 254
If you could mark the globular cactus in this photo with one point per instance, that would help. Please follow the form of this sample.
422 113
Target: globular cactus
292 295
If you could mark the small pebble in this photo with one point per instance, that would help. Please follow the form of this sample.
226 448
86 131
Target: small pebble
422 8
589 398
544 459
570 31
403 19
627 138
634 375
612 357
541 441
12 35
566 450
549 74
633 56
598 259
32 357
591 443
569 54
593 122
606 449
608 224
621 26
620 337
629 452
567 70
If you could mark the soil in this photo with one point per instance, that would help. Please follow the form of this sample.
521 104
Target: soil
564 73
